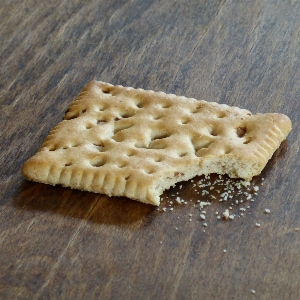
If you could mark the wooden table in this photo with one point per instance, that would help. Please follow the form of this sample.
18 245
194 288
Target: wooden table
58 243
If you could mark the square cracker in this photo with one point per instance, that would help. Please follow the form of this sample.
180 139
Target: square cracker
121 141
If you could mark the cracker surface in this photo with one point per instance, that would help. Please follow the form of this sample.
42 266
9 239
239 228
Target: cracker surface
122 141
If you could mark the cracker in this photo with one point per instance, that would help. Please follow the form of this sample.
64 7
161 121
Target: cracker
135 143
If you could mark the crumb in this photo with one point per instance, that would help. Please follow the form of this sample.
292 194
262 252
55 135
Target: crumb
257 225
202 216
296 229
253 291
267 211
226 214
224 250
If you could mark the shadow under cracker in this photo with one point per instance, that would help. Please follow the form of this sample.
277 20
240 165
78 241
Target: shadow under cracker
77 204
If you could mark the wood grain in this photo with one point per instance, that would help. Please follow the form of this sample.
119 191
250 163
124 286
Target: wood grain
58 243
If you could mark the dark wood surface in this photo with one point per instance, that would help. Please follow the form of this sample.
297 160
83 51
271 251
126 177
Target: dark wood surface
57 243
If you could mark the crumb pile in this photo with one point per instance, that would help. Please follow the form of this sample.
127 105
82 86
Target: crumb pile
236 194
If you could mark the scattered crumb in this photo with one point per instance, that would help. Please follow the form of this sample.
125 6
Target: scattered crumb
224 250
296 229
234 192
203 203
253 291
226 214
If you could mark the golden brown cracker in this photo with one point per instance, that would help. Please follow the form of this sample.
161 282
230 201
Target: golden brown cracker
135 143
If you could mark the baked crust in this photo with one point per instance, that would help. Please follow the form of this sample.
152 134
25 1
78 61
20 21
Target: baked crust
121 141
